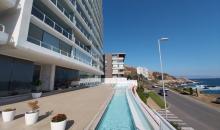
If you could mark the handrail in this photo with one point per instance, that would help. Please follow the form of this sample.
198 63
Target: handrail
63 10
2 28
165 122
55 49
73 2
50 22
142 104
161 119
48 46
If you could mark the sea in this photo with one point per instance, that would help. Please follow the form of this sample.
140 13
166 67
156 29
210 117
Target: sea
213 83
208 81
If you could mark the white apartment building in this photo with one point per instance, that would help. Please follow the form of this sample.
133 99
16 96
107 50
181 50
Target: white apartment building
55 41
143 71
114 65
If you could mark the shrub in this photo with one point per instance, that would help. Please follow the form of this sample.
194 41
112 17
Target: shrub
9 109
37 83
33 105
59 118
191 91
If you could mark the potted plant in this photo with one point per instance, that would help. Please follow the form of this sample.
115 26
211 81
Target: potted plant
8 114
58 122
31 117
37 90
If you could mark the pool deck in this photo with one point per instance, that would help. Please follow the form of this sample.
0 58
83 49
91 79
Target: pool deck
80 106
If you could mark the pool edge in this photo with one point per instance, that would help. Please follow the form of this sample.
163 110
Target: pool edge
96 119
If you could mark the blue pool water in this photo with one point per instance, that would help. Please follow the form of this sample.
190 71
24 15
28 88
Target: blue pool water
117 115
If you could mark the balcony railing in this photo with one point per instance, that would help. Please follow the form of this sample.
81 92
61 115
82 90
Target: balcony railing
55 49
36 12
82 46
2 28
48 46
63 10
82 14
73 2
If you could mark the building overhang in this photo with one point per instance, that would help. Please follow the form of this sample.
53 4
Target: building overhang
7 4
37 54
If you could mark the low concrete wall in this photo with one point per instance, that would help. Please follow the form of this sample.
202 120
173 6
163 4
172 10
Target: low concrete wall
120 81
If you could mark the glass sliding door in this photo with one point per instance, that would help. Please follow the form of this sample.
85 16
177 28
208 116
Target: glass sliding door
15 77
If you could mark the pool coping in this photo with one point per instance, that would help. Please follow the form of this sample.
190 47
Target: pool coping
96 119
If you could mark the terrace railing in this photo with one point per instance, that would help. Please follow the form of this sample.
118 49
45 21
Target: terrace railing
64 11
48 46
55 49
39 14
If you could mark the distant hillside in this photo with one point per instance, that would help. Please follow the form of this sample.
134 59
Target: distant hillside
131 73
158 76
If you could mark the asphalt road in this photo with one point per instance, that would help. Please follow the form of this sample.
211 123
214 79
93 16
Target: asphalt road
192 112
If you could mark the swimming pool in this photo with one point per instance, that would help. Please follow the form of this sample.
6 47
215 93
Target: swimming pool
117 115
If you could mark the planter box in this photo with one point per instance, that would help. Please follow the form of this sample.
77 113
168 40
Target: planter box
36 95
31 117
58 125
8 116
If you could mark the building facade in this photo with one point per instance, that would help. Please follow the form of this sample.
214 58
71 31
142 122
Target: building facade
114 65
143 71
55 41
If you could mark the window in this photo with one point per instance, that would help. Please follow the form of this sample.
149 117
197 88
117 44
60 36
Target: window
15 77
50 40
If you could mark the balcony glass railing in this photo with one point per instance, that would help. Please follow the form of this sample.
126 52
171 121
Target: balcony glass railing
80 44
36 12
48 46
82 14
63 10
78 55
79 26
73 2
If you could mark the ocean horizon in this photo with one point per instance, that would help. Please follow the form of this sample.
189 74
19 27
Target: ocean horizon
208 81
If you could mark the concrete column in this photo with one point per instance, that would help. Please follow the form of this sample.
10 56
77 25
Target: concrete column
47 75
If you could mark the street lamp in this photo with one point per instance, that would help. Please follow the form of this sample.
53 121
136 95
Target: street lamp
161 66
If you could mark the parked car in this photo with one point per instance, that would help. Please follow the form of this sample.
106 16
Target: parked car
217 100
161 92
155 86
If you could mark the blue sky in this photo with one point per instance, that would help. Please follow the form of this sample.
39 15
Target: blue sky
192 26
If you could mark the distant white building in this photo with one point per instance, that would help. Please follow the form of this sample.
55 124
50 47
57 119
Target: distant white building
143 71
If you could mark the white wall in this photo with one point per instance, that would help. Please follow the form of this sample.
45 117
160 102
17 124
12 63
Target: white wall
120 81
143 71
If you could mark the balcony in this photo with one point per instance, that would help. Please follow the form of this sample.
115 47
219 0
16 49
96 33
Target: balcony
73 2
70 16
3 35
40 15
48 46
80 44
7 4
57 50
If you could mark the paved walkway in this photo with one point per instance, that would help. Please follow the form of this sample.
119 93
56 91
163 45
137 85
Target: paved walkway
80 106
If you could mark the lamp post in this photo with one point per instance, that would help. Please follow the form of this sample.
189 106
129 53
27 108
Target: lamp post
161 66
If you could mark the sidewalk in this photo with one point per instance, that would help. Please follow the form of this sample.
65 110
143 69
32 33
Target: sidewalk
80 106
